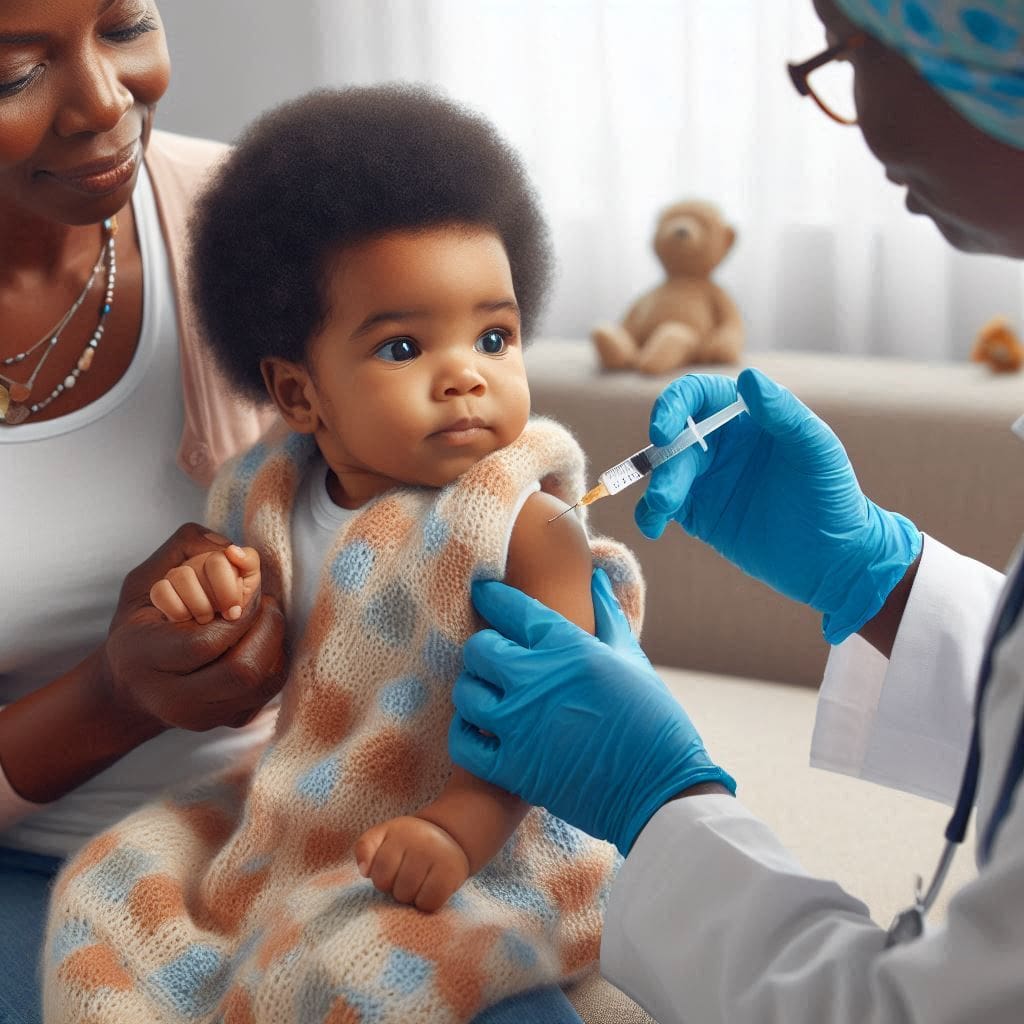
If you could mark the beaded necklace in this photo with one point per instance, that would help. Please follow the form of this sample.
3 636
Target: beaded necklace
14 395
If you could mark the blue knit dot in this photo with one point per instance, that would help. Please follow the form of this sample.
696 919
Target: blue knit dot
518 950
404 697
391 615
882 6
989 30
70 936
406 972
317 784
314 999
946 74
561 834
250 462
441 656
516 894
299 448
920 21
115 877
352 566
435 533
194 982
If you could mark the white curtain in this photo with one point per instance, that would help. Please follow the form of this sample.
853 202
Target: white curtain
619 108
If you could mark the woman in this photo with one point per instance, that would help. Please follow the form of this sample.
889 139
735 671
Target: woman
711 918
111 422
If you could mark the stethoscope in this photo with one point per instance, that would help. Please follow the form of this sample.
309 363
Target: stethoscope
909 924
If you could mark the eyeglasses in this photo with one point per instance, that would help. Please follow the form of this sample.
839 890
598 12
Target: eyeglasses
832 89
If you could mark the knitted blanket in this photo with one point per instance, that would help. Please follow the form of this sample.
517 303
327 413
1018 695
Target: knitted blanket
238 901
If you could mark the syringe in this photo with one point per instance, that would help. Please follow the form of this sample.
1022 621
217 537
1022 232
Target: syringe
637 466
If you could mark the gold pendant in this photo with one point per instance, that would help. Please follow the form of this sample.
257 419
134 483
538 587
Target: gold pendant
11 412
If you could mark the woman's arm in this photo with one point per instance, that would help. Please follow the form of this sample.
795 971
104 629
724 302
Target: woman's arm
149 675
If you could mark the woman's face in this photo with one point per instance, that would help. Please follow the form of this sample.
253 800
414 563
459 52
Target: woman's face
79 81
965 181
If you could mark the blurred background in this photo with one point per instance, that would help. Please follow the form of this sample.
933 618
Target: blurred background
621 107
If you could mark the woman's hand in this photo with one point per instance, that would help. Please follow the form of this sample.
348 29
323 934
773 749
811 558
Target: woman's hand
182 674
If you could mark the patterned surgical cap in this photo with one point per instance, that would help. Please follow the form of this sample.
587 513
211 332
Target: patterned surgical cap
971 51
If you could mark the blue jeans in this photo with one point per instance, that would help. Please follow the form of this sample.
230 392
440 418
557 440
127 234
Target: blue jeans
25 880
541 1006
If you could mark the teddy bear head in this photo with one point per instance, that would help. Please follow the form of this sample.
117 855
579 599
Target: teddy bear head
692 239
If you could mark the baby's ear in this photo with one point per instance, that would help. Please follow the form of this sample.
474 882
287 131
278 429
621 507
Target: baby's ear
290 386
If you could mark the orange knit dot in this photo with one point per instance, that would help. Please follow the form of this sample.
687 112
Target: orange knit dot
89 856
325 711
325 847
238 1007
282 938
208 821
342 1012
576 886
226 906
387 762
154 900
581 953
93 967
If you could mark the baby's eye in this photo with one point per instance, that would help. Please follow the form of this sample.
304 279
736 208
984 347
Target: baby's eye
398 350
492 343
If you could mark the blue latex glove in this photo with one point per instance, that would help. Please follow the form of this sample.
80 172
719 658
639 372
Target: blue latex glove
776 495
581 725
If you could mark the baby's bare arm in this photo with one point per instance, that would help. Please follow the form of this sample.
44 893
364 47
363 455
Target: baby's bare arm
550 561
222 581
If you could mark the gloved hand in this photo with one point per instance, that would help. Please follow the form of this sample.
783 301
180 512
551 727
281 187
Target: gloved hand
581 725
776 495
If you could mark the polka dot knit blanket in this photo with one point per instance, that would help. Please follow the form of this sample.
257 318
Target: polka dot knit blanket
237 900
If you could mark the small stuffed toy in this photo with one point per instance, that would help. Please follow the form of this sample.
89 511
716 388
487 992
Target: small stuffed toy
687 319
997 345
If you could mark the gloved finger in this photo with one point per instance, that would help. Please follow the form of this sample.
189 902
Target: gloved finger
486 654
772 406
669 485
471 749
476 700
697 395
522 619
612 627
650 523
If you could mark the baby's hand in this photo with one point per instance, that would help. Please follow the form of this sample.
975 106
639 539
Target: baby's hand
414 860
215 581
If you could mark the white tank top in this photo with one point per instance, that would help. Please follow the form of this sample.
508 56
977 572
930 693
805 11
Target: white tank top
86 497
315 523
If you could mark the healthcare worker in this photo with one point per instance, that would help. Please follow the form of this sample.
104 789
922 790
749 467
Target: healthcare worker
711 918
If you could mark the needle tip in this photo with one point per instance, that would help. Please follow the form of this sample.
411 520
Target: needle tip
562 513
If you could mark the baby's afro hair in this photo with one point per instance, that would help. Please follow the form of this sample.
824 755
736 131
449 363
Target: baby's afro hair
332 169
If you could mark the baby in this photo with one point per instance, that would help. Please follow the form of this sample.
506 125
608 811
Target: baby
372 261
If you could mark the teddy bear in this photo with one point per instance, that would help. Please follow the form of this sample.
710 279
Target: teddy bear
688 318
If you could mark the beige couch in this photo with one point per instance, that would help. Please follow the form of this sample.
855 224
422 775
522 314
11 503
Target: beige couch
932 441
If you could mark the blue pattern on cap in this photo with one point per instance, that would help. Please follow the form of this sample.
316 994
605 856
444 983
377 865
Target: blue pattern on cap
971 51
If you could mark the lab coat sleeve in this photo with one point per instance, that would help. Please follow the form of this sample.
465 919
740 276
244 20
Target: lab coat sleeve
905 722
712 920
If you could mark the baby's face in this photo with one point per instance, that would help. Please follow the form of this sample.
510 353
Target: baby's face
419 372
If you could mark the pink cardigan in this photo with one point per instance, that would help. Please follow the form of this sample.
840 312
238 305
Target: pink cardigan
217 423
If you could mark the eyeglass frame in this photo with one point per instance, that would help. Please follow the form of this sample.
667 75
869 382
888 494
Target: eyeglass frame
799 73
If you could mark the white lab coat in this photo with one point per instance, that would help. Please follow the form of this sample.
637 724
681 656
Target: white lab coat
712 919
